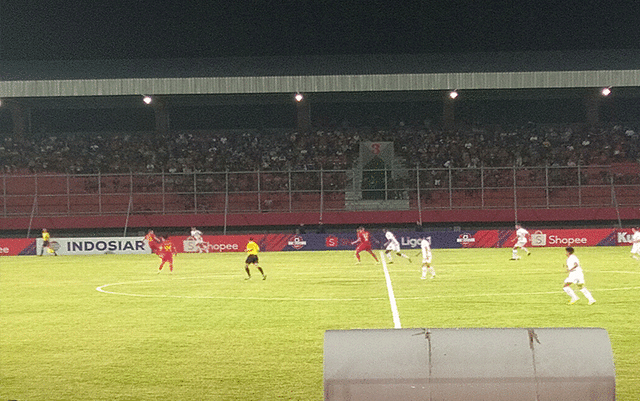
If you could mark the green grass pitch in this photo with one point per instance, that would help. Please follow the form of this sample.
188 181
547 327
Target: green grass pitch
110 328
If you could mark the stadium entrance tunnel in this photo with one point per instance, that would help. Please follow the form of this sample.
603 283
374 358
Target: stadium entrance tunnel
469 364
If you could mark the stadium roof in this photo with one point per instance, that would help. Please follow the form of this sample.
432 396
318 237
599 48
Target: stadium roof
321 74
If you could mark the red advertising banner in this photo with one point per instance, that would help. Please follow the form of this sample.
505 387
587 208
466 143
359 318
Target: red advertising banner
236 243
568 237
17 246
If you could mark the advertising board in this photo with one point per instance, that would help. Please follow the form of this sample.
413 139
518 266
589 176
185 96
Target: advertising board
97 246
324 242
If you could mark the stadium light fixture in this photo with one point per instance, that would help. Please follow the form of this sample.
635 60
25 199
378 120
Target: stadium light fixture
605 91
298 97
147 99
453 94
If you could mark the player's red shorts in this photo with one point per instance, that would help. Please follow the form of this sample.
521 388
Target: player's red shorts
166 256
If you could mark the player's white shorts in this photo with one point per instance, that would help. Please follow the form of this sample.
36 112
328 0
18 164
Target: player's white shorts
575 277
427 260
635 248
393 247
521 243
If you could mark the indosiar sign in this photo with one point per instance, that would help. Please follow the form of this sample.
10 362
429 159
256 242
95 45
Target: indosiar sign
97 246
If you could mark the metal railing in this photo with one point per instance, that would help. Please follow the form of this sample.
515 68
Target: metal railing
318 190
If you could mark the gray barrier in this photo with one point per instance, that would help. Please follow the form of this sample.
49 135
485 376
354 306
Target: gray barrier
511 364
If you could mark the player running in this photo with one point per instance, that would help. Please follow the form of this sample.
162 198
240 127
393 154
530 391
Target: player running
426 259
392 245
635 243
576 276
252 250
522 239
364 244
197 237
153 241
165 251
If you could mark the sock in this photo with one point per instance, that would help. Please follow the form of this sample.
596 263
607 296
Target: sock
432 271
260 270
514 254
586 293
424 271
247 270
569 291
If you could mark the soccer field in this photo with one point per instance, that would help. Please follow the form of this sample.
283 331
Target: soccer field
110 328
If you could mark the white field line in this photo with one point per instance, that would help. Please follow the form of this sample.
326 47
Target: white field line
392 298
103 289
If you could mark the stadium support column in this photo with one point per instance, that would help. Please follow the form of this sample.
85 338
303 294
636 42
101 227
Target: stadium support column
21 116
448 115
592 108
303 115
161 115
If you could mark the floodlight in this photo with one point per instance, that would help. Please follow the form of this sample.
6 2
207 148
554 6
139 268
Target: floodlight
147 99
453 94
298 96
605 91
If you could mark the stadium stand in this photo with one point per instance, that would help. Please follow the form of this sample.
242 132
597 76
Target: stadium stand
254 171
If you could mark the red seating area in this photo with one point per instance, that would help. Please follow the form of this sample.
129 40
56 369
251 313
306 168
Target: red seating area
120 195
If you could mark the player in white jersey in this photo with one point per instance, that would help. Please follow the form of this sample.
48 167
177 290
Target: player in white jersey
392 245
426 259
522 238
635 243
197 237
576 276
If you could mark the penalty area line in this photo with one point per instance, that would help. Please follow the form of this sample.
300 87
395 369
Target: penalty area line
392 298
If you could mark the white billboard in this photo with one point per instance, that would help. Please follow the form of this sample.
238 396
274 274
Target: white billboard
95 246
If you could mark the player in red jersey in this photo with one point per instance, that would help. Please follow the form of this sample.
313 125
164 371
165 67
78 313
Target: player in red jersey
153 241
364 243
166 250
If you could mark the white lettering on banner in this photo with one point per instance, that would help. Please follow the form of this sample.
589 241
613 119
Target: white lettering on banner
465 239
223 247
624 238
554 239
412 242
538 238
190 246
297 243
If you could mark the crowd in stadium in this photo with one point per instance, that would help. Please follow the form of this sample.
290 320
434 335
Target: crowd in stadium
334 148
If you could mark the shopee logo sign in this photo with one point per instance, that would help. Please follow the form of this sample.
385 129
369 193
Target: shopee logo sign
554 239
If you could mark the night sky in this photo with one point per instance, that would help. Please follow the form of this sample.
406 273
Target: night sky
84 29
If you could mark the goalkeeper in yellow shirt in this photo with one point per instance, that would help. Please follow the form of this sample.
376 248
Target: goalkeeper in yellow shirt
252 250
